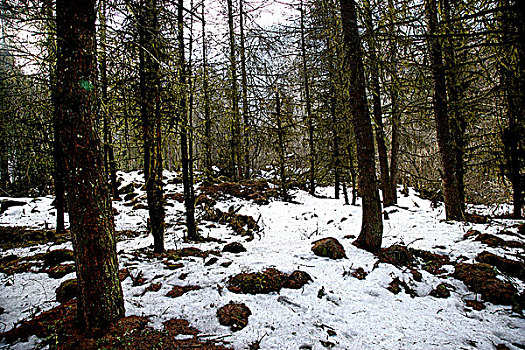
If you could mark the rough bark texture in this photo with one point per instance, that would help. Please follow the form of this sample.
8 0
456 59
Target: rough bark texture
372 224
281 147
100 298
309 116
207 115
235 143
453 203
151 122
377 108
245 108
187 178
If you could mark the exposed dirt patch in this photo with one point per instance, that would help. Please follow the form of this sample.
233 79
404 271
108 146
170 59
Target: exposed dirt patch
495 241
510 267
58 329
58 256
17 237
234 315
256 190
268 281
178 291
442 290
481 278
243 225
397 255
397 285
432 262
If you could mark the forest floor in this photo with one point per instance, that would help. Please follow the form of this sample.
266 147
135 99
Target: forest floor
255 282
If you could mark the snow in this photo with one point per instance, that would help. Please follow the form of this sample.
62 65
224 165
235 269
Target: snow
362 313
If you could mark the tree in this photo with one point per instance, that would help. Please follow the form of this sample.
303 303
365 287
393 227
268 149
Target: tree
100 299
372 224
187 164
377 108
453 203
149 73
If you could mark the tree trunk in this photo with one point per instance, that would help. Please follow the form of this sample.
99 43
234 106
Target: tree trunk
453 203
235 144
58 154
512 78
388 194
208 172
308 102
394 101
149 77
109 154
280 138
100 299
372 225
187 179
245 107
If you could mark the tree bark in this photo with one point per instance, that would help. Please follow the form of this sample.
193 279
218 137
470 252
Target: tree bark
245 107
388 194
394 101
453 204
208 172
309 117
235 144
372 225
149 77
281 147
100 299
187 179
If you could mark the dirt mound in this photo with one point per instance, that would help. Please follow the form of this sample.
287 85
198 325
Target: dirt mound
481 278
243 225
268 281
510 267
329 247
397 255
59 330
256 190
234 315
178 291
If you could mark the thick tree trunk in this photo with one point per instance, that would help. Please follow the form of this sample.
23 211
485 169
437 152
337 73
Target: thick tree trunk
245 107
151 120
453 203
58 154
109 154
100 299
394 100
208 172
387 187
372 225
235 144
309 116
187 178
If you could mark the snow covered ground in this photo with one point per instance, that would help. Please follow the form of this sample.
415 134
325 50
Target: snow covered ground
352 313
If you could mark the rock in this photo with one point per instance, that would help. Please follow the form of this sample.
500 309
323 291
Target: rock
234 315
329 247
67 291
495 241
234 247
56 257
